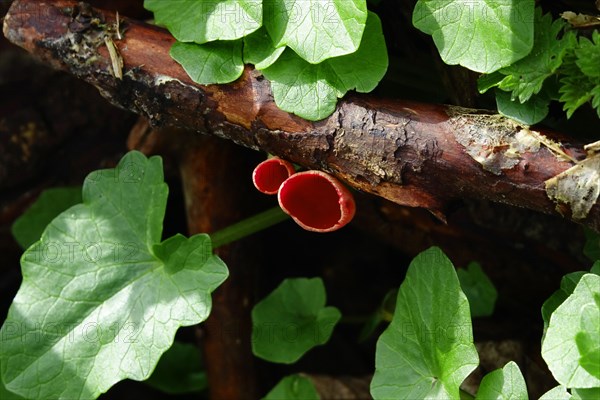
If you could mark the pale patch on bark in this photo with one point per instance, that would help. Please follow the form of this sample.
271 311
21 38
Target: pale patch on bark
579 186
495 142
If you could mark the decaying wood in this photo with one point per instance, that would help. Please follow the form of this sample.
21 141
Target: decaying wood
217 195
411 153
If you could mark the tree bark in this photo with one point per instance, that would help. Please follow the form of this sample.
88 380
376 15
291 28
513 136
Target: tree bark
414 154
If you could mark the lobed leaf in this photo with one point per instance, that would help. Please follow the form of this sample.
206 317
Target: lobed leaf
483 36
292 320
96 305
203 21
317 29
427 350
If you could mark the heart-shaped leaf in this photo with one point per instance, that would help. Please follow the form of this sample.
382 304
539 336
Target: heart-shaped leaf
292 320
427 351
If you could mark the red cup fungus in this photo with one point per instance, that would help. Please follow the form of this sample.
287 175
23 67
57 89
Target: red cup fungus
270 174
316 201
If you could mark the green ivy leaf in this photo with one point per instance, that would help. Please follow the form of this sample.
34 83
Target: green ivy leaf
483 36
317 29
28 228
292 320
206 64
479 289
427 351
530 112
179 370
559 347
293 387
557 393
311 91
588 339
260 50
526 77
96 306
503 384
207 21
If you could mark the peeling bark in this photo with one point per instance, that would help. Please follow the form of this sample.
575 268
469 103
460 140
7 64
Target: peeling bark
414 154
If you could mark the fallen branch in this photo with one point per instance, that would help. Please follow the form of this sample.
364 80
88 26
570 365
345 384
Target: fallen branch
414 154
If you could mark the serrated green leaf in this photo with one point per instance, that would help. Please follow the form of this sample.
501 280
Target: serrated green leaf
203 21
260 50
557 393
592 245
526 77
595 268
28 228
588 339
209 63
588 55
503 384
293 387
291 320
427 351
530 112
179 370
317 29
483 36
479 289
311 91
96 306
577 88
559 347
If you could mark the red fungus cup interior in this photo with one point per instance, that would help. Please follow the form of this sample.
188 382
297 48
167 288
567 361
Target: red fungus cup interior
270 174
317 201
